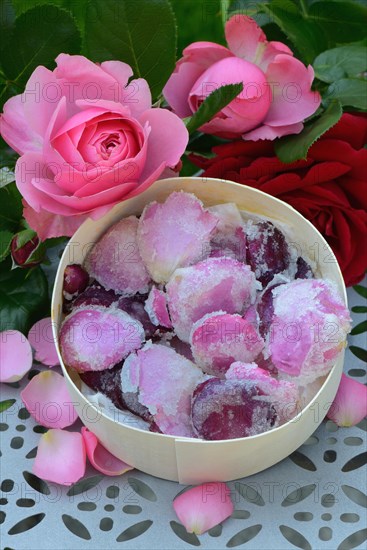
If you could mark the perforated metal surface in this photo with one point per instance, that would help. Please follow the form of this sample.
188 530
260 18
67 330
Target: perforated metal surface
313 499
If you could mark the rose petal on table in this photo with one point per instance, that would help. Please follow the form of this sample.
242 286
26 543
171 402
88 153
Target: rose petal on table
101 459
47 399
15 356
42 341
61 457
350 404
203 507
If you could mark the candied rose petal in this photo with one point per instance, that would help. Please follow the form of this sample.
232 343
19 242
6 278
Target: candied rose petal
304 270
76 280
229 409
218 339
156 307
47 399
42 341
60 457
203 507
107 382
308 329
95 295
15 356
101 459
284 395
211 285
229 238
350 404
115 260
135 306
174 234
164 381
96 338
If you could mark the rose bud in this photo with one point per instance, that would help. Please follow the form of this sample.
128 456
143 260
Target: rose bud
22 247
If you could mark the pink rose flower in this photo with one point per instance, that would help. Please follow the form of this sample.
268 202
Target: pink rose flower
88 139
276 96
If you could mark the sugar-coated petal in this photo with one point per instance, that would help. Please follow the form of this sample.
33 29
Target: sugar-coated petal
308 329
218 339
15 356
164 381
47 399
60 457
211 285
229 238
42 341
76 280
156 307
283 394
115 260
101 459
350 404
96 338
203 507
174 234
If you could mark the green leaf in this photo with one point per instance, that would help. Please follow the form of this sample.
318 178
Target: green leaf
224 7
307 36
7 18
5 405
10 208
23 297
359 309
5 240
359 352
361 290
341 22
359 329
213 104
25 236
76 7
345 61
349 91
142 34
291 148
39 35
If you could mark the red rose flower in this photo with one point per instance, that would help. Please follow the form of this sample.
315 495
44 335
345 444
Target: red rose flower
329 188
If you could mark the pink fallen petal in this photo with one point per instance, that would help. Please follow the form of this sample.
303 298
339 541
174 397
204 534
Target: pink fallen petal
350 404
203 507
156 307
15 356
42 341
47 398
100 458
61 457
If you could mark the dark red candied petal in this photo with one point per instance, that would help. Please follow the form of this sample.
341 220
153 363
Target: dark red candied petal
304 270
134 306
107 382
265 309
224 409
132 403
267 251
76 279
95 295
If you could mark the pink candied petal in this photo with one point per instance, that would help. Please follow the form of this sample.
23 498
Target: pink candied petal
97 338
115 260
211 285
156 307
305 311
350 404
101 459
48 225
229 238
42 341
165 382
61 457
47 398
218 339
273 132
245 38
203 507
293 100
15 356
173 234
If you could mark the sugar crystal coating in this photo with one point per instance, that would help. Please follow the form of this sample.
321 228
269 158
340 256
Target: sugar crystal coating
308 329
156 307
115 260
107 382
229 238
218 339
228 409
96 338
76 280
174 234
211 285
164 381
